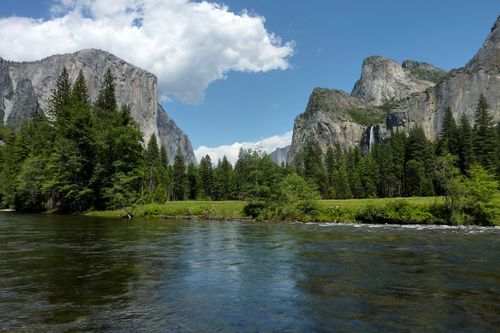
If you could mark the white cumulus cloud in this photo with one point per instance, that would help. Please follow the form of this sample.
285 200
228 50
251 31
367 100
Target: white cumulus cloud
186 44
267 145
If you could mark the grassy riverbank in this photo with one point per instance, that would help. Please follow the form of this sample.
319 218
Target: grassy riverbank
412 210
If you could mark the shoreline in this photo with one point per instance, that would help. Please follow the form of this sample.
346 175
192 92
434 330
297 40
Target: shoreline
379 211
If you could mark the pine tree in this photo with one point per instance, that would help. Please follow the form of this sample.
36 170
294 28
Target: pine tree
106 105
484 136
369 175
397 148
341 181
465 145
178 176
153 164
224 180
449 135
206 177
60 96
193 183
314 169
387 178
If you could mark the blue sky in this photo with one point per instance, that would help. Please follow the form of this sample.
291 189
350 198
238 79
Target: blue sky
331 39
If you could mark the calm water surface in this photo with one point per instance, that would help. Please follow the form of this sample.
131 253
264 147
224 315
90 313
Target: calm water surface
76 274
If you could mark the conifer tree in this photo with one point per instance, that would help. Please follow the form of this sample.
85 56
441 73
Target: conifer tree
60 95
178 176
465 144
341 181
449 135
106 105
484 136
192 180
153 163
224 179
206 177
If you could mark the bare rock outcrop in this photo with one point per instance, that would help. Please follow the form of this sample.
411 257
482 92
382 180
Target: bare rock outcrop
25 88
279 155
410 94
327 121
460 90
383 79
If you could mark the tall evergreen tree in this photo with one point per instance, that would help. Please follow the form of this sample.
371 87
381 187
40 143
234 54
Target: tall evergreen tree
484 136
193 183
60 96
106 106
465 144
224 180
206 177
179 176
341 181
153 163
449 135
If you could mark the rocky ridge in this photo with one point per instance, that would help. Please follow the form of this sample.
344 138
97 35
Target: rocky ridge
279 156
25 88
401 96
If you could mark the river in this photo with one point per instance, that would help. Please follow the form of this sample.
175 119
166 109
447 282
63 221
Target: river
80 274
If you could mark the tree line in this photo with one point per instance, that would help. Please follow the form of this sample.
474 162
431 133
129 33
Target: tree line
407 164
83 155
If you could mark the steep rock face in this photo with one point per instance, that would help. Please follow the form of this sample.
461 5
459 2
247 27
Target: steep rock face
420 94
423 71
279 156
460 90
383 79
25 88
327 121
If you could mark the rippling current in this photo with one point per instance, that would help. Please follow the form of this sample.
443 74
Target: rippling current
77 274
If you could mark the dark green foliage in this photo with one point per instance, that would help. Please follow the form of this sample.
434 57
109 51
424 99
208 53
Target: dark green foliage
106 105
448 137
73 162
224 180
292 198
366 117
313 168
396 212
179 177
193 182
485 138
60 96
206 174
91 157
341 183
465 144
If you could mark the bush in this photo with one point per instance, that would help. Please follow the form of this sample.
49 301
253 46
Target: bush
395 212
293 199
254 208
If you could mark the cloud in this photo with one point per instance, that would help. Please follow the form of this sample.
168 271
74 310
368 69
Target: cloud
187 44
267 145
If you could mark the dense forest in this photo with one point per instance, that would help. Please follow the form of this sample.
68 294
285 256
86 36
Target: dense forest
82 155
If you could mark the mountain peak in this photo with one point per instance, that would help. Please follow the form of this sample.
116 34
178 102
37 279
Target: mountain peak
488 57
383 79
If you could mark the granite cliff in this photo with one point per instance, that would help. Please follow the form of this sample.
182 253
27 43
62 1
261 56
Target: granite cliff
279 155
390 97
25 88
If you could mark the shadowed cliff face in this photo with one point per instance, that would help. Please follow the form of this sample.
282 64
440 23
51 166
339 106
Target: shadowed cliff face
25 88
418 94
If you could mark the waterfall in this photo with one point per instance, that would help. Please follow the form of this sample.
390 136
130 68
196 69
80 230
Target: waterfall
372 138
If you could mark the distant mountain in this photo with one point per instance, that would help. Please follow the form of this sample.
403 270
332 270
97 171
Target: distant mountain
279 156
25 88
392 97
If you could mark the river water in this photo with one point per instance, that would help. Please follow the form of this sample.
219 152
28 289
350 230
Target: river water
78 274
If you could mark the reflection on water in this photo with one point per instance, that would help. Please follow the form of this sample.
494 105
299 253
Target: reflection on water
74 274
